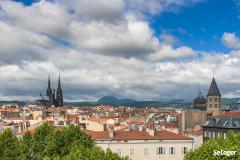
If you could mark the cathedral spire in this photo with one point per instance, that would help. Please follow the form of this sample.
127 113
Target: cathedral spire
49 82
59 82
59 94
49 89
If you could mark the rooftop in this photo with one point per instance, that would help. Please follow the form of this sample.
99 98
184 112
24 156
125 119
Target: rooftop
213 90
137 135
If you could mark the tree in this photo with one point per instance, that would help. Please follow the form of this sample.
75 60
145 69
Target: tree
92 153
26 148
40 140
9 146
207 150
47 143
64 139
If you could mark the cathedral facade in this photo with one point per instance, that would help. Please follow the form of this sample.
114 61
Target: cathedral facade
55 98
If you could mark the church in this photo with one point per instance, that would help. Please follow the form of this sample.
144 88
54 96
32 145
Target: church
55 98
212 103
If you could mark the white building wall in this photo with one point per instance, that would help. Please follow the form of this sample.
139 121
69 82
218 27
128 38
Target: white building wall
198 141
140 148
93 126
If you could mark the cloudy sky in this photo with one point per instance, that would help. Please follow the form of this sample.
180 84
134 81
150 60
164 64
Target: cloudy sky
139 49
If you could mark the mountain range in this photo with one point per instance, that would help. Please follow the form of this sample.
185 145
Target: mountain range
114 101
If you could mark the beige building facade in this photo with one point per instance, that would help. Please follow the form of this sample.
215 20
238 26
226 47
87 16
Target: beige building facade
138 145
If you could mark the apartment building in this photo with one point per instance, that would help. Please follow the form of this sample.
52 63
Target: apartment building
148 144
218 126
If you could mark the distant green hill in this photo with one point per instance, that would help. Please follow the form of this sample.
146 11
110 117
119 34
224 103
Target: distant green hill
229 101
114 100
21 103
110 100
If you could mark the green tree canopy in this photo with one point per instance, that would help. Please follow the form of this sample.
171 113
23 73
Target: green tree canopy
47 143
209 149
92 153
9 146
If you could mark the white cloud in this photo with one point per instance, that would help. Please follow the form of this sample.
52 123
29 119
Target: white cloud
168 38
168 52
17 44
128 39
42 17
111 51
230 40
154 7
89 27
101 10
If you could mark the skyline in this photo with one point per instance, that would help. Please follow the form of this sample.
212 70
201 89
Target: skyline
124 49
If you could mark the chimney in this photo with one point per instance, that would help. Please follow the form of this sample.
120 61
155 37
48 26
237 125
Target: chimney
151 132
20 129
163 127
151 129
111 133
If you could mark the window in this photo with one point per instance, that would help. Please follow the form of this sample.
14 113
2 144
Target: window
224 135
146 151
161 150
172 150
209 134
185 150
210 105
213 134
119 151
131 151
210 99
215 105
215 99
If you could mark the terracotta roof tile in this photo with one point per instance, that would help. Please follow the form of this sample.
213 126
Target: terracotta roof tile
231 114
171 125
137 135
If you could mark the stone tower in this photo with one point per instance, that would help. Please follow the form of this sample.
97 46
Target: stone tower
200 102
213 99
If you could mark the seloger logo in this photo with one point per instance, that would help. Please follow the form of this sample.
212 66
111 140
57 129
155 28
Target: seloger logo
224 153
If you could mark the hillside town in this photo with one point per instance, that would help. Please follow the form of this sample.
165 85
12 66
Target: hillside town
149 132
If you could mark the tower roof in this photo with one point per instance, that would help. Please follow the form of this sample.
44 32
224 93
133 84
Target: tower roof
49 90
213 90
59 82
200 96
49 82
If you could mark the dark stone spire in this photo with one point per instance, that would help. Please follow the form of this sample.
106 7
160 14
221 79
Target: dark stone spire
49 89
59 82
59 94
213 90
200 96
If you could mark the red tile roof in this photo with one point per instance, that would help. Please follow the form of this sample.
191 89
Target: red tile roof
20 118
137 135
170 125
99 135
231 114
